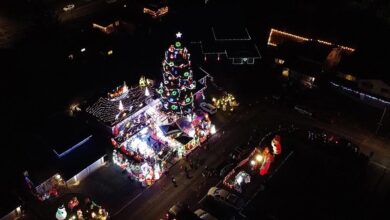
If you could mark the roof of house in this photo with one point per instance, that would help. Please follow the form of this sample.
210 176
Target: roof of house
304 66
309 50
9 201
184 139
235 42
230 33
62 132
170 129
244 49
81 157
106 110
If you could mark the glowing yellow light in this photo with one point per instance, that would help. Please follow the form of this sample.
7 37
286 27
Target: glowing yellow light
259 158
110 52
212 129
350 77
286 72
272 42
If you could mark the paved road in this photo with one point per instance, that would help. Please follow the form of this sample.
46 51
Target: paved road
162 195
239 127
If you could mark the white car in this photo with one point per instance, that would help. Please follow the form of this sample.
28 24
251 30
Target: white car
69 7
202 214
209 108
225 197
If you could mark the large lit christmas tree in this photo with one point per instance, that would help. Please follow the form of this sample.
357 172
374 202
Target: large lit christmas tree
178 84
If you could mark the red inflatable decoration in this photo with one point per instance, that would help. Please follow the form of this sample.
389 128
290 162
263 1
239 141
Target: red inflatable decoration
276 145
268 158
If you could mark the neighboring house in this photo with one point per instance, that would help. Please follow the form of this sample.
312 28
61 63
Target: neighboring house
232 44
375 87
69 152
10 207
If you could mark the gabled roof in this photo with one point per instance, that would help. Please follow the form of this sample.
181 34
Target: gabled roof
184 124
170 129
106 111
184 139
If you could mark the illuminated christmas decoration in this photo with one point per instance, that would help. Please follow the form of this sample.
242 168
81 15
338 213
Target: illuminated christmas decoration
259 158
144 82
178 84
268 158
86 209
240 178
120 107
361 94
276 145
61 213
73 203
106 29
80 214
277 36
119 93
156 13
147 93
226 102
75 107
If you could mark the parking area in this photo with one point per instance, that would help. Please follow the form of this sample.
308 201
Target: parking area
109 187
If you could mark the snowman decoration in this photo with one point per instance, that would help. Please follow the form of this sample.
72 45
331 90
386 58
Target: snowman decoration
61 213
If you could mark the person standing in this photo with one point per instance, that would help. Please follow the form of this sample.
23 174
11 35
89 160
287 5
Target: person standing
187 172
174 181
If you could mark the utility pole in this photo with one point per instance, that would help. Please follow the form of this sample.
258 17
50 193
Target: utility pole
380 122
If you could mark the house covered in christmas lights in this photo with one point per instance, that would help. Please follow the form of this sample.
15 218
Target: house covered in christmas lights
149 131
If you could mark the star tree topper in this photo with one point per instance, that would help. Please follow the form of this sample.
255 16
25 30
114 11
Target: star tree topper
178 34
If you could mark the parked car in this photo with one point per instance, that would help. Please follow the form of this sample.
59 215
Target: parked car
225 197
180 211
69 7
209 108
202 214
